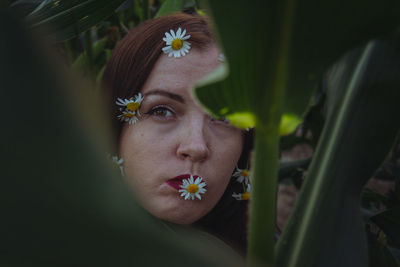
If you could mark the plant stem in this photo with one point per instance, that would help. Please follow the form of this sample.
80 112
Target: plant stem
263 203
263 197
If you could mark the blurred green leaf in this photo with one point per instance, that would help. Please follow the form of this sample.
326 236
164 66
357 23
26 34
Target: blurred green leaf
170 6
61 203
359 132
297 40
82 61
289 123
67 19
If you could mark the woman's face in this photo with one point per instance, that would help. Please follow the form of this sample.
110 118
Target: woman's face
175 138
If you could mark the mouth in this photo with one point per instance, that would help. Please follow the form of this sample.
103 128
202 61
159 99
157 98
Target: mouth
176 182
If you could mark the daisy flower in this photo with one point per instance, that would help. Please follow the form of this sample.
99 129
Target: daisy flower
128 116
244 196
175 43
243 175
191 189
130 109
118 164
132 104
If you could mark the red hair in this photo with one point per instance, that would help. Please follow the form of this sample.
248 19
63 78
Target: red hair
136 54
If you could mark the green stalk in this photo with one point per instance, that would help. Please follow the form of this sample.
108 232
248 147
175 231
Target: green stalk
263 197
265 171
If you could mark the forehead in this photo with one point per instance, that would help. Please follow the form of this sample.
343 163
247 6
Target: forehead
179 75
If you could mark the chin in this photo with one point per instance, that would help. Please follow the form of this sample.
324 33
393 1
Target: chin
184 215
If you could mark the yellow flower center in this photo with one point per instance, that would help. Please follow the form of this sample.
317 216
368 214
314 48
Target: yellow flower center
245 173
128 115
192 188
246 196
176 44
132 106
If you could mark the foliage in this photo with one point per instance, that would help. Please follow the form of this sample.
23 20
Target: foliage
277 52
291 51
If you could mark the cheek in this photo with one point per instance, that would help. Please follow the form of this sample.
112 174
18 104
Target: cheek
144 149
230 148
140 142
136 148
227 154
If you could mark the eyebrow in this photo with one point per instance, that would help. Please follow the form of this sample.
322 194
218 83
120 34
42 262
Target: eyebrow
167 94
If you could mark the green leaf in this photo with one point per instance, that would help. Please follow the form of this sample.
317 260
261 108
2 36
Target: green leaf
360 130
304 37
82 60
289 123
170 6
67 19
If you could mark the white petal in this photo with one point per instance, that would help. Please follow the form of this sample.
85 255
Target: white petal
139 98
167 36
198 196
172 34
186 37
178 33
185 46
166 49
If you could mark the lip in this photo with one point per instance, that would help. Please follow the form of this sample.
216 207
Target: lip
176 182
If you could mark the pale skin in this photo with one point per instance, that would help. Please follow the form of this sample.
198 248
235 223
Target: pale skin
175 136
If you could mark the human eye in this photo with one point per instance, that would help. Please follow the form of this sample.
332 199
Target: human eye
161 112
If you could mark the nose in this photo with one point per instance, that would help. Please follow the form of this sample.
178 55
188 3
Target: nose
193 144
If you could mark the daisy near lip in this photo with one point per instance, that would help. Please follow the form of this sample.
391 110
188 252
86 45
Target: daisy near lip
192 188
176 182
